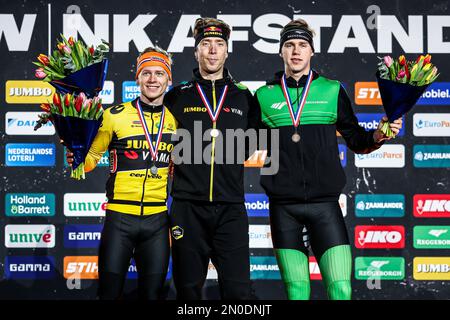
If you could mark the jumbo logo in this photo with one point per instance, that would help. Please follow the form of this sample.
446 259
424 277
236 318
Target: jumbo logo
81 267
431 205
374 237
28 91
431 268
367 93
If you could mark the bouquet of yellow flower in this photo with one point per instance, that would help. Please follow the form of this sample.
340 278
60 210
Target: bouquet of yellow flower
401 83
78 73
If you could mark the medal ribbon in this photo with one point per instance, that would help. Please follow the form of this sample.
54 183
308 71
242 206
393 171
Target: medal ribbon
295 116
213 114
153 150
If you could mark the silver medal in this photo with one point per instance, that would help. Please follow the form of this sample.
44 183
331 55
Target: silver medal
154 170
214 133
296 137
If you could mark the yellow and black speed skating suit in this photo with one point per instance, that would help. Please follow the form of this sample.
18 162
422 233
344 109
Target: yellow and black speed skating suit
136 223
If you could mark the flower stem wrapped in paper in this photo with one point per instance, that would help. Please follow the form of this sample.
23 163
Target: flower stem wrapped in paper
401 83
78 73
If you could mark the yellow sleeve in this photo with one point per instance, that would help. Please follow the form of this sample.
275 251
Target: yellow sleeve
101 142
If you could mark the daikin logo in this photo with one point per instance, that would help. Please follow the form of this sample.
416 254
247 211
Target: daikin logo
29 236
23 123
107 93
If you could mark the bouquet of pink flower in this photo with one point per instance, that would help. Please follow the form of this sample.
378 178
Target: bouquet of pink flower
78 73
401 83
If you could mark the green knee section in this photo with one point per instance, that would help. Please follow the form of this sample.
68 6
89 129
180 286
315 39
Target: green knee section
340 290
336 268
294 269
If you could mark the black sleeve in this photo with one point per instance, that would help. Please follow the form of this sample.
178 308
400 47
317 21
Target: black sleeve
170 99
357 138
254 111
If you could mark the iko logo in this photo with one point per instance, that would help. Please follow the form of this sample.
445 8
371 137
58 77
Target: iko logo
260 236
82 236
84 204
29 267
369 121
343 204
30 155
107 93
22 123
29 236
383 268
28 91
367 93
431 205
30 204
431 156
81 267
432 237
388 156
438 93
343 154
431 124
314 269
379 205
257 204
374 237
264 268
130 91
431 268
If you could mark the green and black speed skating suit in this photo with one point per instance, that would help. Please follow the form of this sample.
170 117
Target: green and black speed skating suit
306 189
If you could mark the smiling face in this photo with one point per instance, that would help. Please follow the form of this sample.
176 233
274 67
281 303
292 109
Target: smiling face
211 54
153 82
296 54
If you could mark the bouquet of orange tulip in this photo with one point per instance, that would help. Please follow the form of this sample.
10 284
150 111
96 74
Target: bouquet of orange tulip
401 83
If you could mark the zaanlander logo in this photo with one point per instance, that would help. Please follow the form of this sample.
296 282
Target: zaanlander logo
81 267
29 204
431 268
372 237
431 156
431 124
438 93
383 268
388 156
260 236
431 205
29 267
264 267
432 237
257 204
82 236
380 205
30 154
23 123
84 204
29 236
28 91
